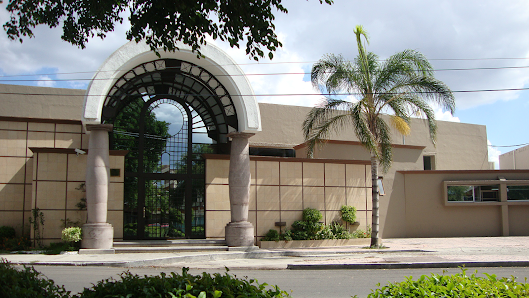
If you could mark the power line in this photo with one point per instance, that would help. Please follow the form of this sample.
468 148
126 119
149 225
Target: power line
506 146
277 94
305 62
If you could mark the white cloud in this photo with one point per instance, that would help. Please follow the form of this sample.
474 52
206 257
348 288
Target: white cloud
45 81
494 155
445 115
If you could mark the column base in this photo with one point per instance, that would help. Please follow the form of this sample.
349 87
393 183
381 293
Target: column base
239 234
97 236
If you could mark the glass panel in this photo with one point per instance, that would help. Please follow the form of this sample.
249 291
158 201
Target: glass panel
130 204
164 208
198 220
460 193
473 193
517 192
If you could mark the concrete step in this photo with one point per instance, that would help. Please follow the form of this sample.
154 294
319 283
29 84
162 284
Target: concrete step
169 246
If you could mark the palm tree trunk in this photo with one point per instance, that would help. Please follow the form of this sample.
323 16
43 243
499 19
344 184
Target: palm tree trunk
375 241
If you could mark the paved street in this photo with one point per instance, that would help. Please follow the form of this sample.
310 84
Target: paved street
302 283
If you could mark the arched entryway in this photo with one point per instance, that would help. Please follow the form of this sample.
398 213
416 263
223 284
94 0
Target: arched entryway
167 110
167 113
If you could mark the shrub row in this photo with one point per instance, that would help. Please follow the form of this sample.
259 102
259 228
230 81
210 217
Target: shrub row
28 283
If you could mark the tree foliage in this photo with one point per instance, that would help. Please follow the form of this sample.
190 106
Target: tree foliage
401 86
161 23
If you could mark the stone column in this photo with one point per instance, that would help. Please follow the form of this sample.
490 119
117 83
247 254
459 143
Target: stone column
97 233
239 232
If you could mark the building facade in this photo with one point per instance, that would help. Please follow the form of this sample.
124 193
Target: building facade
177 147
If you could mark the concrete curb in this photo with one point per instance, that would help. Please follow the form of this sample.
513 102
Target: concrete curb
408 265
230 255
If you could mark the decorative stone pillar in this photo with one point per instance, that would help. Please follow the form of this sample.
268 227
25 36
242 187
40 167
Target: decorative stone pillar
239 232
97 233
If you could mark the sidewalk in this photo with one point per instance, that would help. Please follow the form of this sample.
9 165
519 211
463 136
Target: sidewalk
400 253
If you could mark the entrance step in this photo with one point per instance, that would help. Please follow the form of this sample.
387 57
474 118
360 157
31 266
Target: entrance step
169 246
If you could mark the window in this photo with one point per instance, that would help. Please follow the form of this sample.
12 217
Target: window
517 192
473 193
429 162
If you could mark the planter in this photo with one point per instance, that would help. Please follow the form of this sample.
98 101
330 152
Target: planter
314 243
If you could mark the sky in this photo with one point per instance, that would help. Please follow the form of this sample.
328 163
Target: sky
478 48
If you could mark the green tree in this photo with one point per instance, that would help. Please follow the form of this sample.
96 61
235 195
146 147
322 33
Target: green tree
161 23
401 86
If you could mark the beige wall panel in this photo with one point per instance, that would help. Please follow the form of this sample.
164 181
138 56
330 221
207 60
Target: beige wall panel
12 219
426 215
332 216
314 197
355 175
291 198
334 174
364 218
217 171
289 217
67 140
53 224
357 198
51 195
518 220
69 128
334 198
35 126
115 196
13 143
11 197
266 220
40 139
252 205
267 173
28 198
115 218
12 169
217 197
252 218
216 221
76 216
290 173
76 167
52 166
313 174
84 140
29 170
74 195
267 197
13 125
117 162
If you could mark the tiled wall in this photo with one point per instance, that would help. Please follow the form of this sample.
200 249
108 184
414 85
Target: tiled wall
17 135
47 178
57 188
282 187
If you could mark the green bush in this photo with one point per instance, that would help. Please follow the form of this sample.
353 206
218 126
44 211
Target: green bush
184 285
312 215
271 235
348 214
359 233
14 244
457 285
7 232
72 234
15 283
339 231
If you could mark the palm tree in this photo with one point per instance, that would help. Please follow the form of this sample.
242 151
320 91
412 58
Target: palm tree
400 86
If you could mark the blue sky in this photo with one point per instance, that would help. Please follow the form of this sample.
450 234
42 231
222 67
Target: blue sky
468 35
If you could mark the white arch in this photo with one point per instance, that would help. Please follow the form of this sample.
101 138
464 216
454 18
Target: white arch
216 61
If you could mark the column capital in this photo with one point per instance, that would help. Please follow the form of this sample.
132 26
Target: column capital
241 135
107 127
